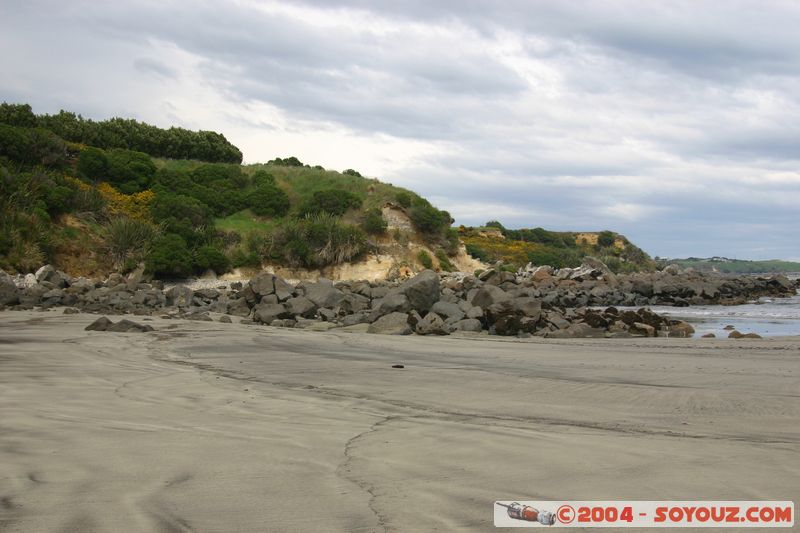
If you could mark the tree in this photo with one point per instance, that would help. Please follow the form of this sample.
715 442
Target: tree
170 257
606 239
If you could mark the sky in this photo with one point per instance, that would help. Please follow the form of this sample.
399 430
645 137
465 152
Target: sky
675 123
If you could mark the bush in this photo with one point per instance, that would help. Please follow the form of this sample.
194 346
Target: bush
425 259
286 162
268 200
374 223
211 258
606 239
130 171
93 164
444 261
478 253
170 257
332 201
262 177
313 241
428 219
128 240
403 199
351 172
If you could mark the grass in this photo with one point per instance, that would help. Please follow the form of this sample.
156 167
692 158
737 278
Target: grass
242 222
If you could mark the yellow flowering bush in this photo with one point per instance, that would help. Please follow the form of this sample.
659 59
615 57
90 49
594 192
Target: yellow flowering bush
136 206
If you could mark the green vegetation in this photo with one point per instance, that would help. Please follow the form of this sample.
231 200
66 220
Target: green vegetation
95 196
425 259
175 143
734 266
518 247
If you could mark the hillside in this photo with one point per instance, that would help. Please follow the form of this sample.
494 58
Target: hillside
735 266
94 197
517 247
101 199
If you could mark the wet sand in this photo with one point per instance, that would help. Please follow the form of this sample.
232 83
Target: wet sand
212 427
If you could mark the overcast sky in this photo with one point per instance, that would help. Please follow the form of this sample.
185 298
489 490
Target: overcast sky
675 123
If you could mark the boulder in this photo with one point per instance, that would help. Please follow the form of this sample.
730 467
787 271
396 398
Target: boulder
394 302
468 324
179 296
49 274
129 326
489 295
283 290
8 290
263 284
450 311
431 324
225 319
576 331
266 313
323 293
300 306
422 290
238 307
101 324
679 328
391 324
640 328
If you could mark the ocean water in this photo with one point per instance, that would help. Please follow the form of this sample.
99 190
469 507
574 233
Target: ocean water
769 317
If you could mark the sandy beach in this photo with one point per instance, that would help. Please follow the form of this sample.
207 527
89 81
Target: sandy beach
209 427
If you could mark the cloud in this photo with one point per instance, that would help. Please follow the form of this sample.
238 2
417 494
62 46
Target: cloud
674 123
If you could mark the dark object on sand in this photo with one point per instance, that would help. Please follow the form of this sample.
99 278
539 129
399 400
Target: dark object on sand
398 366
123 326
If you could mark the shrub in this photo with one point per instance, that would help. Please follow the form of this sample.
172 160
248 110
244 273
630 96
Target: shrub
444 261
262 177
428 219
374 223
313 241
135 205
606 239
128 240
286 162
478 253
425 259
332 201
403 199
130 171
211 258
170 257
93 164
268 200
351 172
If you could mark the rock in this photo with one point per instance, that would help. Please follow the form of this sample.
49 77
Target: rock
751 336
301 306
489 295
71 311
474 312
530 307
679 328
263 284
431 324
640 328
709 336
266 313
394 302
129 326
49 274
327 315
8 290
355 318
201 317
238 307
179 296
595 320
225 319
101 324
450 311
734 335
468 324
575 331
283 290
422 290
207 294
323 294
729 327
391 324
283 323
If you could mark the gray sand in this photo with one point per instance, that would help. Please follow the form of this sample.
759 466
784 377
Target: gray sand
212 427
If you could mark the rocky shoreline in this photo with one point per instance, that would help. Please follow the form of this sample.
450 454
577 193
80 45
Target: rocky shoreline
536 301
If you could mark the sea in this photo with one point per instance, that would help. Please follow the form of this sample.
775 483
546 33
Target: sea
769 317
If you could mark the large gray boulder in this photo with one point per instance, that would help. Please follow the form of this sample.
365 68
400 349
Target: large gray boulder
283 290
180 296
431 324
324 294
266 313
450 311
301 306
238 307
8 290
49 274
422 290
391 324
489 295
263 284
468 324
394 302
